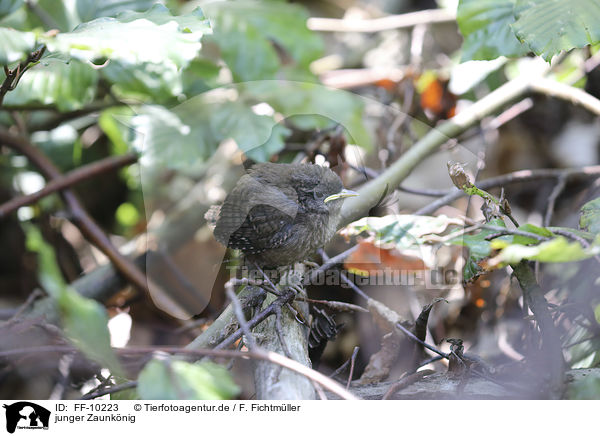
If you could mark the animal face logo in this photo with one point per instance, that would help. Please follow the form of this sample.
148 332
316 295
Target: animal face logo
26 415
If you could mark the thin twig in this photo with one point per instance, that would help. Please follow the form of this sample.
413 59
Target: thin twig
380 24
567 92
239 313
558 188
13 76
79 216
259 354
67 180
406 381
352 362
331 261
335 260
521 176
286 297
97 393
335 305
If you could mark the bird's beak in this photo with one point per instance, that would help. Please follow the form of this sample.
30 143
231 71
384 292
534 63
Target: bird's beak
342 194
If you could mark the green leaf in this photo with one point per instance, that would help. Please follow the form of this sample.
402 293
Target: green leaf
590 216
180 139
154 36
15 45
556 250
84 320
310 106
188 134
256 135
85 323
87 10
245 32
49 274
114 129
402 231
586 388
551 26
485 26
170 379
7 7
479 247
68 86
529 228
201 75
194 23
146 81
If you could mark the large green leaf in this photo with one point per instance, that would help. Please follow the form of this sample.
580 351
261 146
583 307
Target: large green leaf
88 10
170 379
84 320
144 82
558 249
245 32
7 7
15 45
256 135
154 36
53 81
85 323
550 26
485 26
187 135
312 106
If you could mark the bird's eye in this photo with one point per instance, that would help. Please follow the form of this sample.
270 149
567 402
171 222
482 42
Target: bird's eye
319 194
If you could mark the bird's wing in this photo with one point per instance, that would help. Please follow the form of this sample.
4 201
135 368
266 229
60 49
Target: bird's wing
256 216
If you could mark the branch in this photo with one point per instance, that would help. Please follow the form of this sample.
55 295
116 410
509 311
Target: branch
551 351
380 24
521 176
72 178
13 76
566 92
391 178
79 216
259 354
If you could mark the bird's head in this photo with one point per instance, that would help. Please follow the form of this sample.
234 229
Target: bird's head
320 190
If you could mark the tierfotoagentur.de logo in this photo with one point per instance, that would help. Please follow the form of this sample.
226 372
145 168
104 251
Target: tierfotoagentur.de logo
24 415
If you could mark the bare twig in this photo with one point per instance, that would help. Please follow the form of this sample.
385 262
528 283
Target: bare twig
67 180
504 231
558 188
335 305
563 91
352 362
344 365
13 76
406 381
334 260
380 24
97 393
79 216
239 313
521 176
258 354
271 309
551 344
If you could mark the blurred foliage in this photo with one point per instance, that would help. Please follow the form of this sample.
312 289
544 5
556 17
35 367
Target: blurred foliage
84 320
513 28
171 379
174 82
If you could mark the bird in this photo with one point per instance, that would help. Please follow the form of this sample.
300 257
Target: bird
279 214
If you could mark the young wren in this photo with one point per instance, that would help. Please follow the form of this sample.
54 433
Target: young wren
279 214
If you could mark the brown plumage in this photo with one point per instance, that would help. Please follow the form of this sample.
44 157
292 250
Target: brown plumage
279 214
